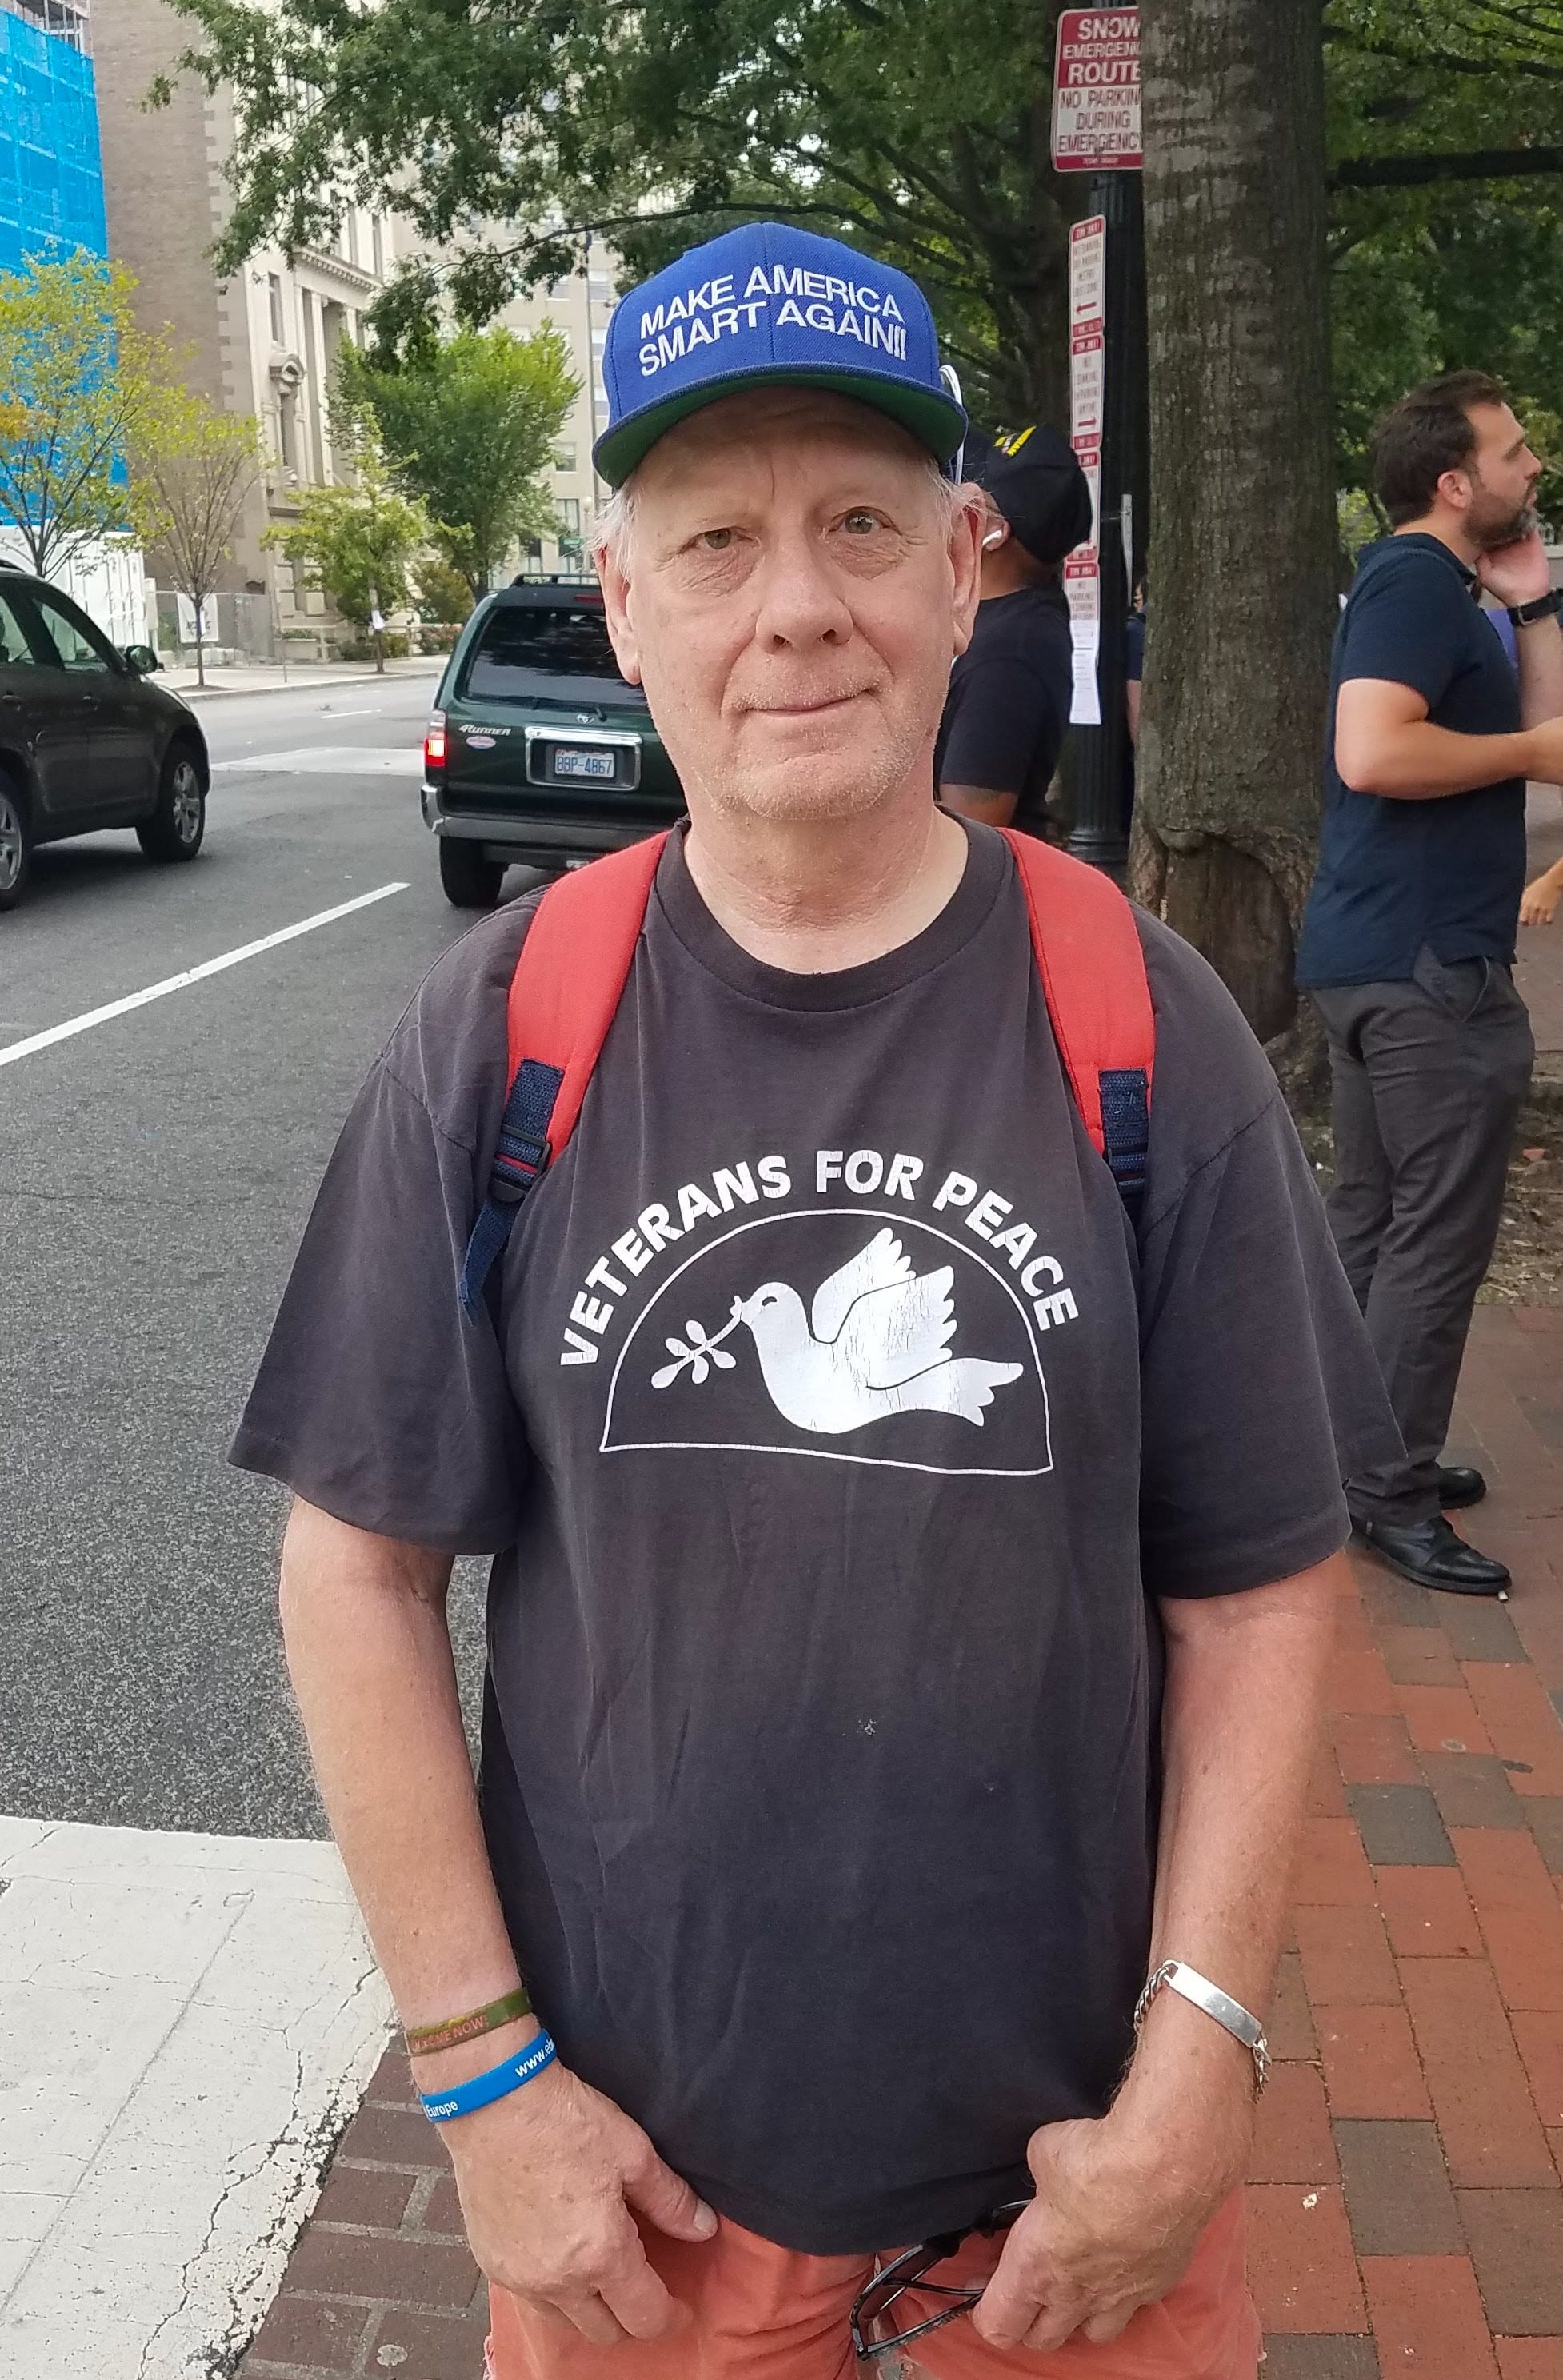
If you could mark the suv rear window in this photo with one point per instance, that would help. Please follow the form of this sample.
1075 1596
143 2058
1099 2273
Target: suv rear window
550 640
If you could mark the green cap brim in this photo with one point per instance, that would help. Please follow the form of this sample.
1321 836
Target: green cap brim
934 418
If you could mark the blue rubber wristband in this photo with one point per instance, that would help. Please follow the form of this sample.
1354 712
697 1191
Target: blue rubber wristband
465 2098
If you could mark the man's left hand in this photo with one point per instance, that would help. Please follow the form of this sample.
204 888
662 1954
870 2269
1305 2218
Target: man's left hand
1517 573
1117 2218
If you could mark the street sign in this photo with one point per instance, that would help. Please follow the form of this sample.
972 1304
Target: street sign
1082 570
1088 273
1096 91
1088 385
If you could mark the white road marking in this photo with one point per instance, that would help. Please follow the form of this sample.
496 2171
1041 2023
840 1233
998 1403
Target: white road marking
84 1024
185 2021
334 760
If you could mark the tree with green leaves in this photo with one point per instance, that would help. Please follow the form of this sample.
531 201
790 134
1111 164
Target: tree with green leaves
82 383
195 466
443 595
1424 92
358 544
469 424
918 129
1447 245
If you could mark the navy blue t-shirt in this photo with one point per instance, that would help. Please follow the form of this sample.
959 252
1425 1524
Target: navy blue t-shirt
1396 875
1007 710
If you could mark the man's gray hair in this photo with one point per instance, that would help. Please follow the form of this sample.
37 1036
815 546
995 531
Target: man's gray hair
612 531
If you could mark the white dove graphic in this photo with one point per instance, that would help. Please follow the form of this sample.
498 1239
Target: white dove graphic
875 1342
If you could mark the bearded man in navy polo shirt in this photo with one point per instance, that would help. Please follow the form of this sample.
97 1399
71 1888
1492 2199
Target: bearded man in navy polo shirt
1407 943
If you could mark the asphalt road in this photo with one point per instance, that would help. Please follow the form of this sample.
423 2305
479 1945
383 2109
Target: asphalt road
155 1171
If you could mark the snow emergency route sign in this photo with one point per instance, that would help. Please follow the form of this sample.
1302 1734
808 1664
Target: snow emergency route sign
1096 91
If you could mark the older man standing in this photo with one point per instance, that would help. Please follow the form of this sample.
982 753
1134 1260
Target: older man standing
852 1753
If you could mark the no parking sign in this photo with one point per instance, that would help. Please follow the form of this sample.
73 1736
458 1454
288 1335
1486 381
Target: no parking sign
1096 91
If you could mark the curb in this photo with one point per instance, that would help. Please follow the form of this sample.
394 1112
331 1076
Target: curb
291 685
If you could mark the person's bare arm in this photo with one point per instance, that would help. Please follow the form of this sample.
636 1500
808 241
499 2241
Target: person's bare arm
1132 706
1519 573
976 802
1120 2204
548 2175
1541 674
1386 744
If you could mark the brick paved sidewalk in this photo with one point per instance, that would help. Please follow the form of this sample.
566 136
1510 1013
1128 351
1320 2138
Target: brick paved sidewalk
1407 2203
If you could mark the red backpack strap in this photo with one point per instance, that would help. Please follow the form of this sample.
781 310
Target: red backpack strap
1093 971
564 995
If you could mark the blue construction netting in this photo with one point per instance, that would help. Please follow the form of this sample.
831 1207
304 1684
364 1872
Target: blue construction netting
50 171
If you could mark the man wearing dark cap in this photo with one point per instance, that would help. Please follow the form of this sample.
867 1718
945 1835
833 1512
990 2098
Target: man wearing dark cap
1009 704
900 1705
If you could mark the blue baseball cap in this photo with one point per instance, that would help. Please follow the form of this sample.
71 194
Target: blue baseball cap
767 304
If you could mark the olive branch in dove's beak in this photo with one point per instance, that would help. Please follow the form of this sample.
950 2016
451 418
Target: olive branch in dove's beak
699 1352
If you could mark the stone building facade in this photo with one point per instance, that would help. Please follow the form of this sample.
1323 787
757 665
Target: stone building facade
261 342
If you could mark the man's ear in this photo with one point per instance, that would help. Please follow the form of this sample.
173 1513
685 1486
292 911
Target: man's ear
1456 490
614 583
967 531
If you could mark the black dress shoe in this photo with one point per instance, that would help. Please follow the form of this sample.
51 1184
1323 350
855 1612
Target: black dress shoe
1458 1486
1434 1555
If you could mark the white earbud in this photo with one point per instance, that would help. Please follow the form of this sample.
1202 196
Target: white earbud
994 537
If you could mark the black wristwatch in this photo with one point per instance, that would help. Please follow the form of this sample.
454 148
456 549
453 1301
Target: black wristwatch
1546 607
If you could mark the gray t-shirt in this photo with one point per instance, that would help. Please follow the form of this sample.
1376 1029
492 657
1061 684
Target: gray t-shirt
831 1436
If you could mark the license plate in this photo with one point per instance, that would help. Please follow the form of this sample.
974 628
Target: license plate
583 764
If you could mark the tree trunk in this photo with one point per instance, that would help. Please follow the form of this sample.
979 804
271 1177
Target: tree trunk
200 647
1243 556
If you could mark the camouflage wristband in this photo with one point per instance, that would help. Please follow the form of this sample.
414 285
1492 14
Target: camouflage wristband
422 2039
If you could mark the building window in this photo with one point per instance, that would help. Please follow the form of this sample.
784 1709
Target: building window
353 257
569 516
274 300
378 231
564 458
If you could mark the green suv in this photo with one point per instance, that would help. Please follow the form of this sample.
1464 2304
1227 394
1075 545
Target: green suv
538 752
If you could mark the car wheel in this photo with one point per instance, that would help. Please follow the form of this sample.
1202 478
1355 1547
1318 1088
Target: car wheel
177 825
469 879
16 844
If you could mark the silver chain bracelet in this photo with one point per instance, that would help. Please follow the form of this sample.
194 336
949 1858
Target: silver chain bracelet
1229 2013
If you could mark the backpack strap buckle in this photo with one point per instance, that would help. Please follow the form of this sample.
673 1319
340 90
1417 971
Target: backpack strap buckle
519 1160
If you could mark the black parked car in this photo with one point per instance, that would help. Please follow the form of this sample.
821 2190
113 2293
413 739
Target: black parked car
537 750
85 742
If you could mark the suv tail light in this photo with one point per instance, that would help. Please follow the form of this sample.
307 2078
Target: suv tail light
433 741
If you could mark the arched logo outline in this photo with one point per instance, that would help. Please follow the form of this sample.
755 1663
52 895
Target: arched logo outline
827 1454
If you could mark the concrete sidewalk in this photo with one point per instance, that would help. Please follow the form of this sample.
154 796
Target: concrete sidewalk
299 678
186 2022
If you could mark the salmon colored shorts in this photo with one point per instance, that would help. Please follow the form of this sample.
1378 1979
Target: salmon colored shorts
763 2312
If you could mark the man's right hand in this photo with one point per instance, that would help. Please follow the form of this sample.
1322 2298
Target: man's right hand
548 2179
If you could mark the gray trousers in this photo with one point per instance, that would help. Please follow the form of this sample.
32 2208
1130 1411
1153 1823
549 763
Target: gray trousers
1429 1079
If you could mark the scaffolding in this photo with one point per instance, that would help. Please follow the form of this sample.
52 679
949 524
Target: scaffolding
68 20
50 173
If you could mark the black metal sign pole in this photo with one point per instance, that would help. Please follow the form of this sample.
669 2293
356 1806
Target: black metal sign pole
1099 755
